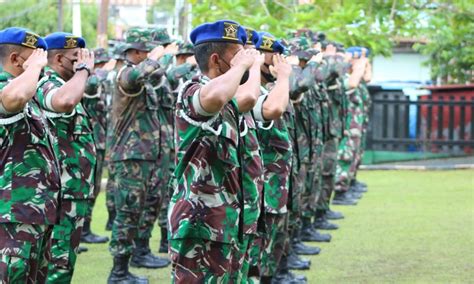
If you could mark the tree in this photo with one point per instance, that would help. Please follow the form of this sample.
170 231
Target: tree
41 16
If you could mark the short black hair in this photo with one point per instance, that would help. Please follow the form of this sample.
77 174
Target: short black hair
7 49
203 51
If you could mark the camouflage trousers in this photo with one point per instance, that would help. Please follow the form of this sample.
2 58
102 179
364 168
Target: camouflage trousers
97 182
328 173
275 242
110 189
24 252
255 258
65 240
201 261
165 172
241 260
137 203
345 156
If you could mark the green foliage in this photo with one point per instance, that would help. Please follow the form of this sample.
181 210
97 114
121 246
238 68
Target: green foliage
41 16
451 42
378 24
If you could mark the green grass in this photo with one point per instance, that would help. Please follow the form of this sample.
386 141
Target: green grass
411 227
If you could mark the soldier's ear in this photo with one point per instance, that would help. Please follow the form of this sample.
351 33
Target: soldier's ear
214 60
14 59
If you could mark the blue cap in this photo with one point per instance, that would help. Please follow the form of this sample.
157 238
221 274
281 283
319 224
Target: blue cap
252 36
21 36
267 42
220 31
61 40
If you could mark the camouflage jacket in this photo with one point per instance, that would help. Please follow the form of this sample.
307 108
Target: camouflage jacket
76 146
135 123
277 157
207 198
94 101
179 74
252 172
29 173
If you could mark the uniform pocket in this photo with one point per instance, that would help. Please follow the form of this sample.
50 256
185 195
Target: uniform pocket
15 261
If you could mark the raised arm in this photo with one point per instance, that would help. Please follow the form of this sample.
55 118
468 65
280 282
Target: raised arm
20 90
279 96
248 93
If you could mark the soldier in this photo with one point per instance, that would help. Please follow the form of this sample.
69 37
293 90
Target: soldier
59 93
94 102
276 153
29 173
185 67
119 58
206 215
134 151
351 142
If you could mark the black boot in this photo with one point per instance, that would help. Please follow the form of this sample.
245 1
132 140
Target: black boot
296 263
121 275
164 241
353 193
343 198
322 223
309 234
299 247
110 221
90 238
333 215
358 186
284 276
142 256
82 249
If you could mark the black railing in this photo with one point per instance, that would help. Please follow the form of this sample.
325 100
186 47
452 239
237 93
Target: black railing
432 124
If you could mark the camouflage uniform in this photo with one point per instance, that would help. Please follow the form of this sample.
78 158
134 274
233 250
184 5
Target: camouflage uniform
277 154
94 102
332 109
205 209
29 186
134 150
351 142
77 156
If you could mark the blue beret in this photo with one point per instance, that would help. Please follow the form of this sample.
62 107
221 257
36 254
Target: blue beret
61 40
267 42
21 36
220 31
252 36
358 50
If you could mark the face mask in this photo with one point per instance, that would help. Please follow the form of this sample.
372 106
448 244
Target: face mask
245 76
268 76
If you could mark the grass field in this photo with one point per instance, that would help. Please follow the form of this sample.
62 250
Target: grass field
411 227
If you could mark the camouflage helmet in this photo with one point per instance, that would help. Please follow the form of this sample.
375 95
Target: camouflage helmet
159 36
302 47
100 55
138 38
185 48
119 50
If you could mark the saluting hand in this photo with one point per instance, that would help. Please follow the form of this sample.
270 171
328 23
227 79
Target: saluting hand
244 58
156 53
280 68
171 48
85 56
191 60
39 59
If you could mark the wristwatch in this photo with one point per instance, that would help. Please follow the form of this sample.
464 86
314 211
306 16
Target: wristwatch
83 66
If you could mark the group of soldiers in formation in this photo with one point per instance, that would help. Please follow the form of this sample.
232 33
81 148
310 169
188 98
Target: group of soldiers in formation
235 143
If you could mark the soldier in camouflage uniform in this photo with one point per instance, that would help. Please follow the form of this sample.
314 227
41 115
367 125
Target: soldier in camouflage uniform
94 102
29 173
207 213
118 56
349 150
134 151
59 94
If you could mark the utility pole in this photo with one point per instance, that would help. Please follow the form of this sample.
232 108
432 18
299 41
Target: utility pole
102 22
60 16
76 18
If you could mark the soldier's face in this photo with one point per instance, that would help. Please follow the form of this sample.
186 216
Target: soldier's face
67 59
223 61
18 58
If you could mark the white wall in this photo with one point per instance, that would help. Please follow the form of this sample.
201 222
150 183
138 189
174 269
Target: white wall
400 67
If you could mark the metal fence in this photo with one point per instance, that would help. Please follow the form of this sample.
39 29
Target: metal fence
437 124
